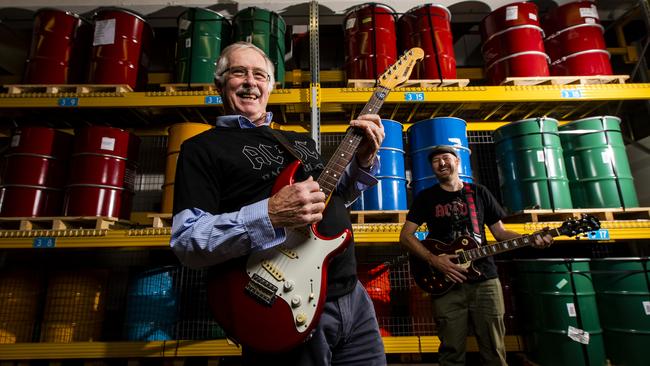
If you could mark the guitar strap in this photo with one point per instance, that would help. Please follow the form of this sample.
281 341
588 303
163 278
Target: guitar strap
287 145
472 211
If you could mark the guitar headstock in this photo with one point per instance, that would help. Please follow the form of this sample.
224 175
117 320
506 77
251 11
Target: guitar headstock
400 71
575 226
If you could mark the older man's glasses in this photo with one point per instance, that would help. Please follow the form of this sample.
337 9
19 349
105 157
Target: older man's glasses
241 72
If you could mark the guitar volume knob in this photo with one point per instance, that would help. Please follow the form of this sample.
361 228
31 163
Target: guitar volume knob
296 301
301 319
288 285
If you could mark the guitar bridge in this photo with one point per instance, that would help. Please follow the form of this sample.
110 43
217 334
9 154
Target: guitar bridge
261 290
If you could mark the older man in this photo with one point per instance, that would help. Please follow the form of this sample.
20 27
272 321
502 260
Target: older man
223 207
447 210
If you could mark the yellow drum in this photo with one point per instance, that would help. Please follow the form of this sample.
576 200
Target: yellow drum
178 133
74 307
18 305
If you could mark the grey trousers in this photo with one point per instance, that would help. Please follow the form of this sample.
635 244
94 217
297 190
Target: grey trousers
347 334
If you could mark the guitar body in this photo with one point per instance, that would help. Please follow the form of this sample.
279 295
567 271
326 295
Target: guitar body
433 281
271 300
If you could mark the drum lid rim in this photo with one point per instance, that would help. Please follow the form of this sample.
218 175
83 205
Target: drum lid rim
435 5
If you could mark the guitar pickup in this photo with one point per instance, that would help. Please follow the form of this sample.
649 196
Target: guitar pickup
261 290
272 270
288 252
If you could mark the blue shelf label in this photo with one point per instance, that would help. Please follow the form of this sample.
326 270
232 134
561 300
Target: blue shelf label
44 242
421 235
571 93
68 102
213 99
602 234
414 97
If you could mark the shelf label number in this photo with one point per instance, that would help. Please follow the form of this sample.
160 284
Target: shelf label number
44 242
414 97
602 234
213 99
68 102
571 93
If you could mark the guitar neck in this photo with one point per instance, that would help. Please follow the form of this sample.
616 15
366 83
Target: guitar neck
505 246
331 175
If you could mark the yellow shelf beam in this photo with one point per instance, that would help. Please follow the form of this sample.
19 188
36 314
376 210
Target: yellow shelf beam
474 94
363 234
217 347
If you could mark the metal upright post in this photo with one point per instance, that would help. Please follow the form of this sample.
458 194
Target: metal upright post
314 65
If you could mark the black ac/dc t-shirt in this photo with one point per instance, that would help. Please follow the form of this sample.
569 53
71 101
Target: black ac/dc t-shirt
446 212
224 169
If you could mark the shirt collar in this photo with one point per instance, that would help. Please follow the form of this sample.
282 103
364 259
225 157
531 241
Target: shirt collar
236 120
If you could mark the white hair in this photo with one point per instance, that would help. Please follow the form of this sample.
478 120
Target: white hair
223 63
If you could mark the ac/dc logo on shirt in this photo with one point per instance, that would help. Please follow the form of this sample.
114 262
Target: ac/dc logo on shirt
262 155
456 208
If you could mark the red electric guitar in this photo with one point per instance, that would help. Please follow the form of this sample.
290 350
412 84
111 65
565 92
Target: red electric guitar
271 300
435 282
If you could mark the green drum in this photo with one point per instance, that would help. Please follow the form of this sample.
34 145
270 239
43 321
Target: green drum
202 34
265 29
623 294
531 166
555 295
597 166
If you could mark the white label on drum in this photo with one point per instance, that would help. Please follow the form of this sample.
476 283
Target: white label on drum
455 141
589 12
188 42
578 335
512 13
540 156
183 24
15 140
350 23
590 21
104 32
108 143
646 307
249 38
532 16
605 156
561 284
571 309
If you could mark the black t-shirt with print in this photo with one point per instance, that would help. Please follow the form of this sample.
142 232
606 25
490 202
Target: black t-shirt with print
224 169
447 213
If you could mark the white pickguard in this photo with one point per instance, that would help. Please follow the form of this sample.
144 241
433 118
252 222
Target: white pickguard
295 267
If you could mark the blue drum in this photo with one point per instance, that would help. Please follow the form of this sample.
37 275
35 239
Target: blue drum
390 192
151 311
426 134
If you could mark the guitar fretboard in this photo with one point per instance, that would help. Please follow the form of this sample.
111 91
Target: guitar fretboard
503 246
345 152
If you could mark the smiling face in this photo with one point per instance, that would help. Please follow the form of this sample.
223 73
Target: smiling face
445 167
245 95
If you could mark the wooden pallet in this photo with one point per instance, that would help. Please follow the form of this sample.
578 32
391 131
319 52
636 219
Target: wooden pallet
161 219
367 217
67 88
176 87
62 223
566 80
603 214
415 83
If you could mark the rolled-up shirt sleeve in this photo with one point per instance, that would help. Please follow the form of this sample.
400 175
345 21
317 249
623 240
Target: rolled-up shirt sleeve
356 179
201 239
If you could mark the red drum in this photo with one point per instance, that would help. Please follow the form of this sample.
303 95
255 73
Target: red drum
522 38
585 63
524 64
60 44
508 16
370 38
102 174
121 45
577 38
568 15
35 171
428 27
512 37
376 280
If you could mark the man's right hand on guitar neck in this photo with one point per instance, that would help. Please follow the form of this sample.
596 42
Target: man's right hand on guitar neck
299 204
445 265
